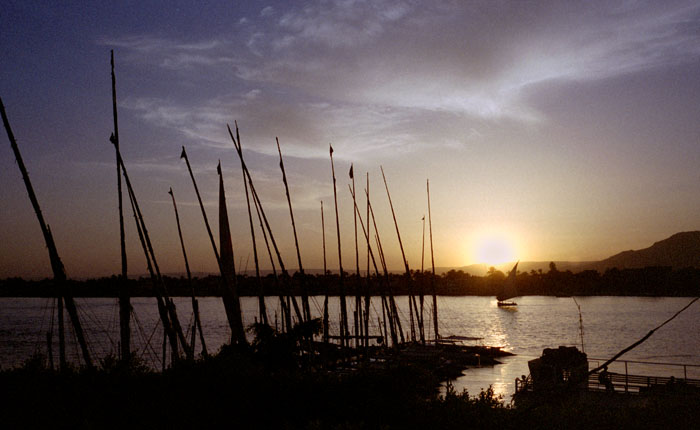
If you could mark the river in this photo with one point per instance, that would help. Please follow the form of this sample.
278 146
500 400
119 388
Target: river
609 325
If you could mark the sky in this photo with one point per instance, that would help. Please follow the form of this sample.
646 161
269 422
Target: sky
548 130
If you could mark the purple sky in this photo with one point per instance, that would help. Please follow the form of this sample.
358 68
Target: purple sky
560 130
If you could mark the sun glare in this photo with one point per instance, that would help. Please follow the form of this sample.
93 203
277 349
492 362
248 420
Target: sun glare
493 250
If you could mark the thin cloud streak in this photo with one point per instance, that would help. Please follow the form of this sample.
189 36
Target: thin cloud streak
347 63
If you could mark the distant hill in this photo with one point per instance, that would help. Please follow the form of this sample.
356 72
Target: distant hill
678 251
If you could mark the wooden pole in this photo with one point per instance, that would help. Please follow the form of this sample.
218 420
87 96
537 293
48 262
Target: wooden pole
325 279
304 293
286 314
411 298
323 234
195 303
162 304
225 287
262 311
365 231
124 299
239 150
369 278
422 248
394 320
358 297
343 307
422 278
432 261
59 273
170 305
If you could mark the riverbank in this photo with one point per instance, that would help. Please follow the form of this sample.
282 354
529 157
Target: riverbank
647 282
240 389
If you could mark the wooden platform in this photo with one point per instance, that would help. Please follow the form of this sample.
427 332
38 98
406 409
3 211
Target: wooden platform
639 383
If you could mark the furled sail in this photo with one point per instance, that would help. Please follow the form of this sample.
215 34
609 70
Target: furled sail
228 268
509 290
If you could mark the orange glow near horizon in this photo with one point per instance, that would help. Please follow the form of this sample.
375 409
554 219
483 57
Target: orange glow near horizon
494 248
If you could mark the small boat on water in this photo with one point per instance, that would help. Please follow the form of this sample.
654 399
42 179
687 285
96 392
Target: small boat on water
509 289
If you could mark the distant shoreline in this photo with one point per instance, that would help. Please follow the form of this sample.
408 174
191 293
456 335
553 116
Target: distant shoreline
646 282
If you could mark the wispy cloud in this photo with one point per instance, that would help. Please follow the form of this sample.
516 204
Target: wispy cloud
171 54
361 74
466 58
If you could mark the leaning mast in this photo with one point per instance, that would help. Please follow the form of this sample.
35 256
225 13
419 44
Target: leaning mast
59 273
124 300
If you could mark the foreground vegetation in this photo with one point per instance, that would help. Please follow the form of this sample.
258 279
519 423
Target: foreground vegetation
269 385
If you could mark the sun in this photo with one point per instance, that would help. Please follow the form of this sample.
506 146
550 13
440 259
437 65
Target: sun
494 249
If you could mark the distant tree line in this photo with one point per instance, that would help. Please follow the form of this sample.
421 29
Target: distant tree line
649 281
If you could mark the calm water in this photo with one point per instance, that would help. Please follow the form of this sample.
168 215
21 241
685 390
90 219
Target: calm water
610 324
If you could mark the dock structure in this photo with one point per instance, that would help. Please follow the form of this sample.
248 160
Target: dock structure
626 383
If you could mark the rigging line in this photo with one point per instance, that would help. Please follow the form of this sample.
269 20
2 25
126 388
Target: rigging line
41 338
71 329
647 336
49 304
146 341
93 326
147 344
156 326
316 304
90 331
87 313
83 317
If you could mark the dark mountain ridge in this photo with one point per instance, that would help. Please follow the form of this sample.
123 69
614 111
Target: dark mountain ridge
678 251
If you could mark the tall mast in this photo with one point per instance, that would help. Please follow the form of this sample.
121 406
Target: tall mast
422 247
392 311
304 292
412 298
325 279
422 266
59 273
261 295
369 279
237 143
284 308
195 303
166 307
343 308
225 286
385 307
358 297
124 300
168 331
432 259
323 235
